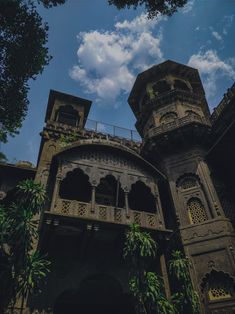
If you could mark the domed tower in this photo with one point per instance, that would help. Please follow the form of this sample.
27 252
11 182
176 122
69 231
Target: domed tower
173 119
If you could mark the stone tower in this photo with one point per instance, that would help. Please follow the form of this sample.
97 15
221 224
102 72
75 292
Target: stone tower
173 117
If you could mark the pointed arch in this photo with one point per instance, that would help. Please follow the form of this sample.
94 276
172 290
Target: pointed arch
76 186
141 198
109 192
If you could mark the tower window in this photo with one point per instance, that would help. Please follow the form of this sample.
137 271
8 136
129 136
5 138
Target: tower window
161 87
67 115
178 84
196 211
188 183
168 117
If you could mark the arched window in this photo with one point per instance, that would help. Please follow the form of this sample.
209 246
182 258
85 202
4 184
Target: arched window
218 286
192 113
76 186
188 183
109 192
67 115
196 211
161 87
179 84
168 117
140 198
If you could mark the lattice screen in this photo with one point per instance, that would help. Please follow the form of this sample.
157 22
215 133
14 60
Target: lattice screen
196 211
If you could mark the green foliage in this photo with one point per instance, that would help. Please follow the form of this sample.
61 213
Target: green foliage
23 267
67 139
146 286
23 55
3 158
187 299
152 7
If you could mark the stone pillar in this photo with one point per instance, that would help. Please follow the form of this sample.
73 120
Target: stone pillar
126 204
93 198
55 192
159 208
210 191
165 276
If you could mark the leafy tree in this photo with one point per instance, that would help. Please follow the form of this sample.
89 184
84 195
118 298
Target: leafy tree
146 286
186 300
23 268
23 55
152 7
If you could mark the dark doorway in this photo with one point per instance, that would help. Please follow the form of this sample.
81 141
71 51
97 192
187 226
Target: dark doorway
96 295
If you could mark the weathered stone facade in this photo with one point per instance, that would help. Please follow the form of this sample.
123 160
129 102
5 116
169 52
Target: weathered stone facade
178 180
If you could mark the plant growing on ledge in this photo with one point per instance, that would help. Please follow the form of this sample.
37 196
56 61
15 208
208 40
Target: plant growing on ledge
67 139
146 286
23 268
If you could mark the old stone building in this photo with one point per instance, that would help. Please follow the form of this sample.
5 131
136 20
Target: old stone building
177 181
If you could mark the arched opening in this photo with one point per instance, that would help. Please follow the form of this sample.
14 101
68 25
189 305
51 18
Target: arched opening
161 87
188 183
76 186
98 294
67 115
140 198
168 117
196 211
179 84
218 286
109 192
192 113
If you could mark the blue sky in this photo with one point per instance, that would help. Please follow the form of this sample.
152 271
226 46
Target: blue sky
98 51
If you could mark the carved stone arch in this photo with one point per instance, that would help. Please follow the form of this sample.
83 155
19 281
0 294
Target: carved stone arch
168 117
185 176
217 285
76 185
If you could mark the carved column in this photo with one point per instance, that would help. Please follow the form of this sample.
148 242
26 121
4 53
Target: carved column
93 198
165 276
210 191
56 191
159 207
127 204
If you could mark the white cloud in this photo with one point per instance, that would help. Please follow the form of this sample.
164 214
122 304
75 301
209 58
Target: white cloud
188 7
228 20
216 35
108 60
212 68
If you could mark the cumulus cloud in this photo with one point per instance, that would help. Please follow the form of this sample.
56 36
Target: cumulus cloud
216 35
228 21
188 7
212 68
109 60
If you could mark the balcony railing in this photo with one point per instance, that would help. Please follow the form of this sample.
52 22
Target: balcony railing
177 123
103 213
109 130
223 104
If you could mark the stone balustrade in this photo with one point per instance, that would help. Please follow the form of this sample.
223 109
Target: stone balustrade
104 213
179 122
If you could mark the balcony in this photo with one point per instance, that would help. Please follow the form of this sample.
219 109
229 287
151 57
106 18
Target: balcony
103 213
177 123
